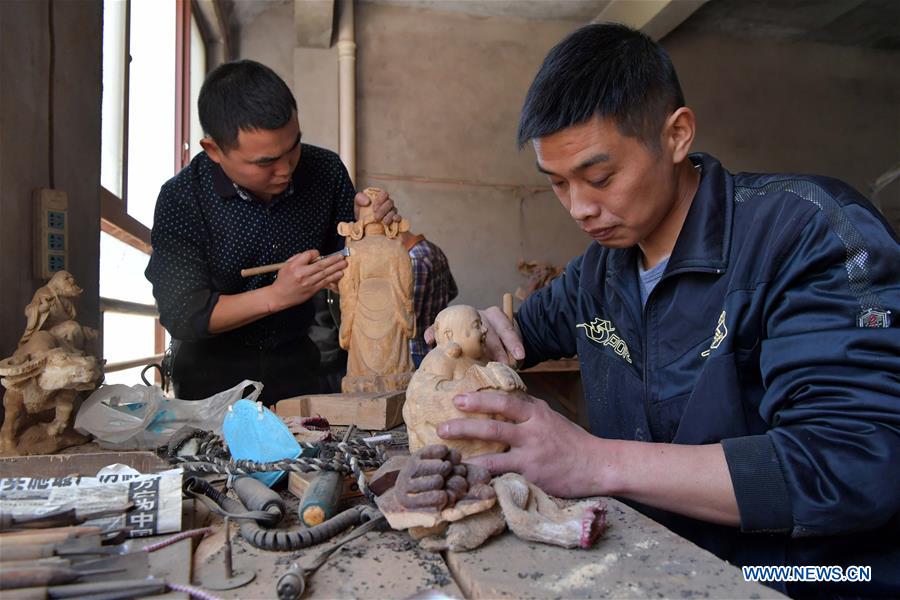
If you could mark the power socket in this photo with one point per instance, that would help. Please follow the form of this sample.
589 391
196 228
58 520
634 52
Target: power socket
56 242
51 232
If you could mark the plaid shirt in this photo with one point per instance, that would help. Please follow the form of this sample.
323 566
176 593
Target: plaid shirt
433 289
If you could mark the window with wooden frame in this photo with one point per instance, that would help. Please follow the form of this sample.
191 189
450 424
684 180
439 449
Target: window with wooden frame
154 62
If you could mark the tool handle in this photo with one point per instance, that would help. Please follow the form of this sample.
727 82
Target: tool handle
274 267
508 311
320 500
120 588
22 577
31 593
258 496
53 535
260 270
10 551
50 561
59 518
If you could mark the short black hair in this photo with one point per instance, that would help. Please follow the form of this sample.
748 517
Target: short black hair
243 94
607 70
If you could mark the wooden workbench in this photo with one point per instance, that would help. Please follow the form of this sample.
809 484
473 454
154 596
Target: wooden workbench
636 558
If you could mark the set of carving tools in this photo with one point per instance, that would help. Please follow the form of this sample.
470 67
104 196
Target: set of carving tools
46 557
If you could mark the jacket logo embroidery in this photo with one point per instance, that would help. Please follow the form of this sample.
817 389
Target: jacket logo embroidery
719 336
601 331
873 317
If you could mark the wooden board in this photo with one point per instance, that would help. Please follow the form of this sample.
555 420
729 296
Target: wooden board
60 465
636 558
367 411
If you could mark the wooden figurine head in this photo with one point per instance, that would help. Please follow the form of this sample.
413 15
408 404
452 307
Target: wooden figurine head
460 331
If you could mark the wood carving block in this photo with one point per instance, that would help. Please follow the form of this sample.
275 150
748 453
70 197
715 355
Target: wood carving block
377 314
385 476
373 411
55 361
457 364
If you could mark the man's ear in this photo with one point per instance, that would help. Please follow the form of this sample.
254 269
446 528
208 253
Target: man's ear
678 133
212 149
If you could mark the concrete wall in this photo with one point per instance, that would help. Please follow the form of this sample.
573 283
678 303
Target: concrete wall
24 60
436 127
438 101
439 96
806 108
311 73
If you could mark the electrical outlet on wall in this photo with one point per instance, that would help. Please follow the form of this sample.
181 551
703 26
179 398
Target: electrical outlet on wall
56 242
56 262
56 219
51 232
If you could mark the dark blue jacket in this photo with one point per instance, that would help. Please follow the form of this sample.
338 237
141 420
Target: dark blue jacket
771 332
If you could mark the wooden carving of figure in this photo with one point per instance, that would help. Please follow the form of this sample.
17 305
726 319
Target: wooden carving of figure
55 361
457 364
377 314
51 304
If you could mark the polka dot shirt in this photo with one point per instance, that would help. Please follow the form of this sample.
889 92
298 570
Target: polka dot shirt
206 229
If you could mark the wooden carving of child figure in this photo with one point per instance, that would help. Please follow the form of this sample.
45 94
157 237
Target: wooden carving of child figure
377 314
457 364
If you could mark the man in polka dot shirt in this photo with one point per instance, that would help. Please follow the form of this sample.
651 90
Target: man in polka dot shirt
256 195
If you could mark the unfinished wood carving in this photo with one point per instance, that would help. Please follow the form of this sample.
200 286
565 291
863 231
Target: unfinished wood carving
456 365
56 359
377 314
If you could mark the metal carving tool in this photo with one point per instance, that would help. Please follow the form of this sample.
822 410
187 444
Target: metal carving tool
292 584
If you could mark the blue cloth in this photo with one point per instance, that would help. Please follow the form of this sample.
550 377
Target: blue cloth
775 332
650 277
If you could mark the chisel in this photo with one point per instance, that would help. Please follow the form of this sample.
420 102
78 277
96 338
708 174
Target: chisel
22 577
128 588
53 535
274 267
16 550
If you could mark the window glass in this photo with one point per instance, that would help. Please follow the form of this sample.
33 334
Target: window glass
129 376
151 108
122 271
126 337
113 95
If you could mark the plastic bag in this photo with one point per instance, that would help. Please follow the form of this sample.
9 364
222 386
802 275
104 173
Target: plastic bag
140 417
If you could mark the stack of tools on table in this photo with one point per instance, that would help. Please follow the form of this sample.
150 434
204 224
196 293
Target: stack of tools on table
258 453
52 556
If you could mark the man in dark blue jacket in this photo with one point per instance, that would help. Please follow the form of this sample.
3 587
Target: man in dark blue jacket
741 368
